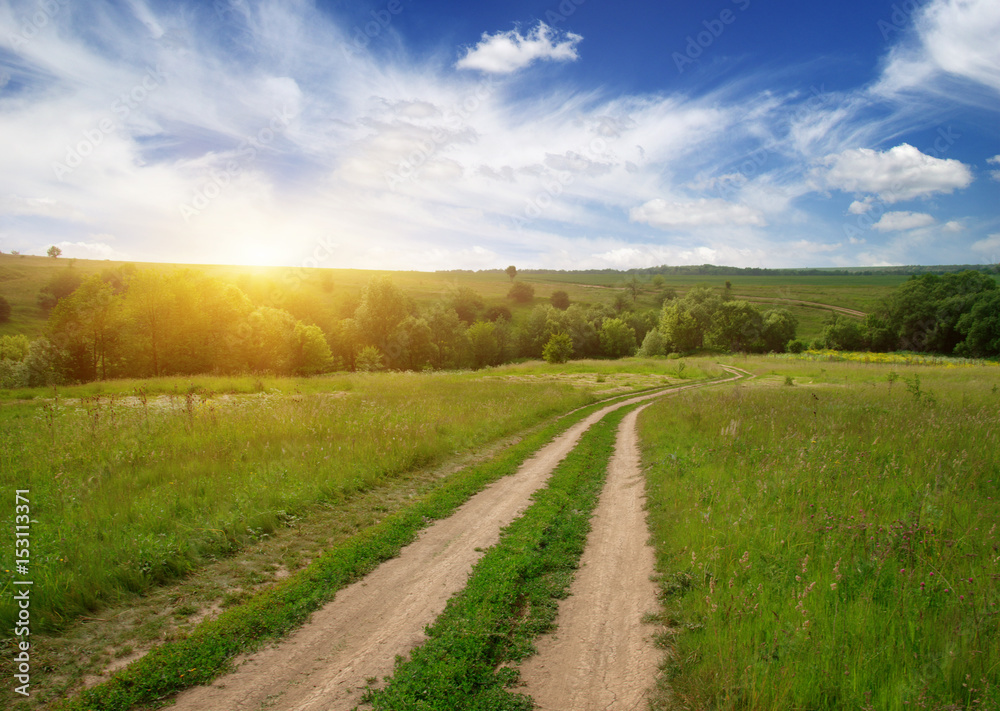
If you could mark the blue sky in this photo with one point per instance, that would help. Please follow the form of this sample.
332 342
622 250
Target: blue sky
423 134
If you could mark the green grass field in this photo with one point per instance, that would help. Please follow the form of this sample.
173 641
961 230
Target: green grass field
827 537
826 532
133 491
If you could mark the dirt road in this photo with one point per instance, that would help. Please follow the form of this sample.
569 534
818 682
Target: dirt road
814 304
356 637
601 656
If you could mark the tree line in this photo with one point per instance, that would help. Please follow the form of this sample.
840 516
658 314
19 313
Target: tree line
140 323
952 314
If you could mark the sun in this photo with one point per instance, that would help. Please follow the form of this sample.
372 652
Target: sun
259 254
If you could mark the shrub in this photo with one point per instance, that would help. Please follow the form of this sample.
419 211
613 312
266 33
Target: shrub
654 344
795 346
559 349
369 360
560 299
521 293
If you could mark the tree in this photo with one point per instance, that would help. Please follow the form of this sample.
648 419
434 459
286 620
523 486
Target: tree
420 348
560 299
88 324
4 310
58 287
270 345
779 326
382 308
483 344
736 327
511 272
632 286
467 304
680 328
617 338
148 308
310 353
654 344
447 334
843 334
521 293
981 327
369 360
498 313
559 348
54 252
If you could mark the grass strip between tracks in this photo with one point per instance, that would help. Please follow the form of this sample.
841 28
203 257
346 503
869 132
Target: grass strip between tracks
209 650
512 594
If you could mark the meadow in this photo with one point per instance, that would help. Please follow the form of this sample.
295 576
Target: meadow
134 491
827 536
137 483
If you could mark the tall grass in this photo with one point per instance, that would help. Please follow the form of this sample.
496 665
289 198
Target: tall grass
830 545
129 492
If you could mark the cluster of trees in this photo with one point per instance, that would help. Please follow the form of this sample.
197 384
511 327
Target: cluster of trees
954 314
703 318
714 270
141 323
148 323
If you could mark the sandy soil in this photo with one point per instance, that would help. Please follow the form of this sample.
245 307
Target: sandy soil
356 637
601 656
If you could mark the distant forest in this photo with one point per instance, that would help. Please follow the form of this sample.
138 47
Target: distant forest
129 322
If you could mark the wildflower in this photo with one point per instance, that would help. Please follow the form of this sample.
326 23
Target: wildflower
833 586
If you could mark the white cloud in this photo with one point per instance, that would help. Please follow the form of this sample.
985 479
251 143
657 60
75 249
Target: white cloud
953 226
860 207
695 213
90 250
506 52
899 221
953 38
901 173
995 174
989 246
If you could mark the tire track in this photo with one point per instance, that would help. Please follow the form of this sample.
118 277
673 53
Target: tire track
601 656
327 663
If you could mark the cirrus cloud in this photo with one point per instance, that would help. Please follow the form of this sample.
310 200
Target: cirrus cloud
506 52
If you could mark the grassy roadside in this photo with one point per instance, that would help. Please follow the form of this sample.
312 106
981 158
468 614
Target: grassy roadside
511 596
131 493
827 537
207 651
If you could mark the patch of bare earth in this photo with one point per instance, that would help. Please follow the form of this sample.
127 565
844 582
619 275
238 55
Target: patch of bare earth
355 638
601 655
